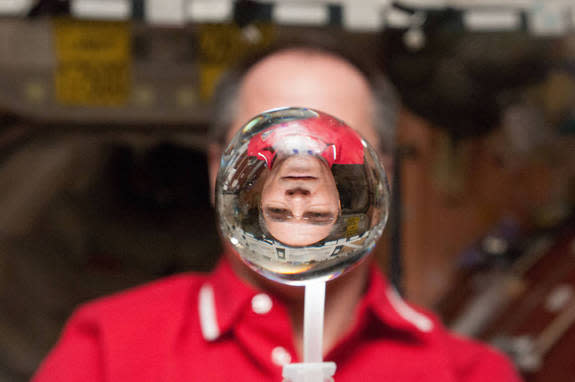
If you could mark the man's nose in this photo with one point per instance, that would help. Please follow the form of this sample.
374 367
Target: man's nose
297 199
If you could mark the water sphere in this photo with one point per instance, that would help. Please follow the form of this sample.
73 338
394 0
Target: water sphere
300 195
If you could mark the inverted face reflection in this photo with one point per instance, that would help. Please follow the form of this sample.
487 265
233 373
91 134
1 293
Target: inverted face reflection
300 202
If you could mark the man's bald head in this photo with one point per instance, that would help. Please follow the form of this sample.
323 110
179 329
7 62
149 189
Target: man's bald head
294 70
299 77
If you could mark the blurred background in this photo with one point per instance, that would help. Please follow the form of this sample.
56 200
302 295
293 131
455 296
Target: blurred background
104 109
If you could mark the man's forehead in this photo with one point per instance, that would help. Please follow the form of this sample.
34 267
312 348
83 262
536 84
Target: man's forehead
316 80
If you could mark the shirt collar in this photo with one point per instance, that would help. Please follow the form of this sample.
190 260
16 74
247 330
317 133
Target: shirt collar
390 309
224 297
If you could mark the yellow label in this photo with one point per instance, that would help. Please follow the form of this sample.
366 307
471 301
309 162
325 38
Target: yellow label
222 45
352 228
94 66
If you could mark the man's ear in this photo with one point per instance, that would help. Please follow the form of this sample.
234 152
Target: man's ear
214 155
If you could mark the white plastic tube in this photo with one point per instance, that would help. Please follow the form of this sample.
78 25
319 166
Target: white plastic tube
312 369
313 322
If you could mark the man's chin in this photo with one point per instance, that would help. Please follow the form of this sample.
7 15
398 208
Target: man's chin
291 295
285 292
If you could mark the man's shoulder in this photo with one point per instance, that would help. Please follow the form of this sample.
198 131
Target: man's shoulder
468 359
473 360
135 329
155 299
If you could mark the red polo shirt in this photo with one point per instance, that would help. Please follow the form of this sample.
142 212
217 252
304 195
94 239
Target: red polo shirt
215 328
323 135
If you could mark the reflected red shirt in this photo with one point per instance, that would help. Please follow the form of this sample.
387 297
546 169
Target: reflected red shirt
333 140
215 328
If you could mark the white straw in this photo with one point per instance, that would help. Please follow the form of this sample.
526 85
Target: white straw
313 321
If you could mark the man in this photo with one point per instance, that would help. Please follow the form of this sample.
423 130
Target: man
233 325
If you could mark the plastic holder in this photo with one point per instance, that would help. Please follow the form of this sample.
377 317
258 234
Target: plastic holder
309 372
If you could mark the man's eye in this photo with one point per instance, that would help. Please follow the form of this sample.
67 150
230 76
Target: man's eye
319 217
277 214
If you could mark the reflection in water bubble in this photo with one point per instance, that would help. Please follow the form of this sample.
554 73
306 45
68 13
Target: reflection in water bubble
300 195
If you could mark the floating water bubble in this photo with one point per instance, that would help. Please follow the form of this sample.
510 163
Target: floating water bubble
300 195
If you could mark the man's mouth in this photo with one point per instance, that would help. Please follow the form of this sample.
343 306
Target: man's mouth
299 177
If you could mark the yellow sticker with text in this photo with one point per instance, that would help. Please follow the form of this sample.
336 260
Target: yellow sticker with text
222 45
93 62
